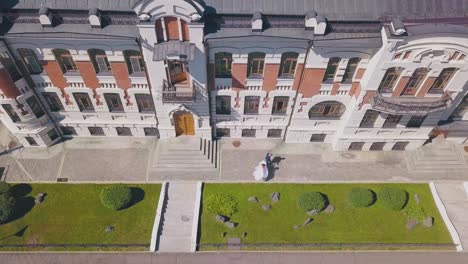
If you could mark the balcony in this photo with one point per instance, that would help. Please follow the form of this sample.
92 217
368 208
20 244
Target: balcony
178 93
410 105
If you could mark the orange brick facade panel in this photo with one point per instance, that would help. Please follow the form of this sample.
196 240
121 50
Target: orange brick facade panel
366 100
297 77
312 82
55 74
359 73
88 74
7 85
355 89
335 88
185 31
120 72
400 86
426 86
239 75
270 77
172 28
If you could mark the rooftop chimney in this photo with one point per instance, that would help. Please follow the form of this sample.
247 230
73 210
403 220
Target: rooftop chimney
315 22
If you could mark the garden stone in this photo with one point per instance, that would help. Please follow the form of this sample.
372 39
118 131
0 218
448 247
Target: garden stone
313 212
411 223
330 209
221 218
40 197
296 226
416 198
266 207
253 199
308 221
223 234
109 229
275 197
230 224
429 221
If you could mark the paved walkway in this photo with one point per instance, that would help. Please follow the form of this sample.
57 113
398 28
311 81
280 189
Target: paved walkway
239 258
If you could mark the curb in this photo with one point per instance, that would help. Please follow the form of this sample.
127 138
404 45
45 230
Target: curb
157 219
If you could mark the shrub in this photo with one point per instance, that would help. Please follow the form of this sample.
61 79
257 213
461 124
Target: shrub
223 204
311 201
116 197
393 198
5 188
361 197
7 207
415 212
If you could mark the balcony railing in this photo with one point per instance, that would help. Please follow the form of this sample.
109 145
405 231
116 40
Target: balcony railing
410 105
175 94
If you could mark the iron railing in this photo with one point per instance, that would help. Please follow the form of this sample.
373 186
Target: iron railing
407 105
171 95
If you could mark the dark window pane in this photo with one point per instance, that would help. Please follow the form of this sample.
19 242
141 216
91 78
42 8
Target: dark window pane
416 121
356 146
288 64
223 64
350 70
274 133
151 132
10 66
223 132
53 101
35 107
369 119
377 146
389 79
134 61
318 138
255 65
83 101
29 58
68 131
52 134
392 121
251 104
123 131
65 60
248 132
11 112
400 145
441 82
223 105
113 102
280 105
144 102
327 109
31 141
96 131
331 69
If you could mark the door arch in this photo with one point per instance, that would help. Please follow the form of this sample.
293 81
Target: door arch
184 124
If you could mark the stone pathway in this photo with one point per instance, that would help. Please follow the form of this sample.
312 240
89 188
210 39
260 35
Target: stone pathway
178 218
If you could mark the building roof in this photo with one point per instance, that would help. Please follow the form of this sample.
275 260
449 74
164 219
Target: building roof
108 5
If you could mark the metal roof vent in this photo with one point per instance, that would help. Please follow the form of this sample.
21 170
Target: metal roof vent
257 22
398 27
45 16
94 17
315 22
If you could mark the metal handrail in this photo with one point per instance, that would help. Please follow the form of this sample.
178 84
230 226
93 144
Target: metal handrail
404 105
171 95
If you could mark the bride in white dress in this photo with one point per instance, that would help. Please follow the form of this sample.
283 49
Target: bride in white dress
261 171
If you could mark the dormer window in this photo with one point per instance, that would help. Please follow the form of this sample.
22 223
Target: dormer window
94 17
316 22
257 22
45 16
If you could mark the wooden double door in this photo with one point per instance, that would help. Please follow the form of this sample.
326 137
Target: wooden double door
184 124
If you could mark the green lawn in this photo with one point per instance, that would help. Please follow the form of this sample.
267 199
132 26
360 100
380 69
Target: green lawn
347 224
73 214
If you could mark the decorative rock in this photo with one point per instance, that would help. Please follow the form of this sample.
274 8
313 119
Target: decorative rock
221 218
411 223
253 199
223 234
330 209
230 224
266 207
296 226
40 197
109 229
313 212
308 221
275 197
416 198
244 235
429 221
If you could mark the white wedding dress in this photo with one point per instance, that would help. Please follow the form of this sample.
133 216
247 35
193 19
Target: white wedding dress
261 172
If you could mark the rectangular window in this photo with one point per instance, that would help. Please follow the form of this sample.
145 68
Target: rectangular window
377 146
223 64
137 64
10 66
68 130
280 105
123 131
31 141
415 81
356 146
30 60
67 63
113 102
144 102
35 107
331 69
392 121
389 80
350 70
399 146
151 131
288 65
52 134
102 63
318 138
415 121
83 101
368 121
11 112
442 81
223 105
53 101
248 132
223 132
255 65
96 131
251 104
274 133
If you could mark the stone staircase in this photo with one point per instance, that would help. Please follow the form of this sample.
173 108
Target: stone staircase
184 157
177 223
439 156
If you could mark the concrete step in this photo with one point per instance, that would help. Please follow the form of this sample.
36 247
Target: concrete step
174 244
180 151
177 229
185 170
194 166
184 158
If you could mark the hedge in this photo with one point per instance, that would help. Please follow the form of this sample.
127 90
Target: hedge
223 204
311 201
5 188
116 197
361 197
7 207
393 198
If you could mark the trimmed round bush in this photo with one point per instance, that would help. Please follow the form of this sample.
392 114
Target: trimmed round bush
7 207
361 197
311 201
223 204
393 198
116 197
5 188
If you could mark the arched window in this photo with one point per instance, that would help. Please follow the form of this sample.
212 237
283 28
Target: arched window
223 62
255 64
65 60
134 61
99 59
350 70
7 62
441 82
29 58
331 69
171 28
415 81
389 79
288 64
327 109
